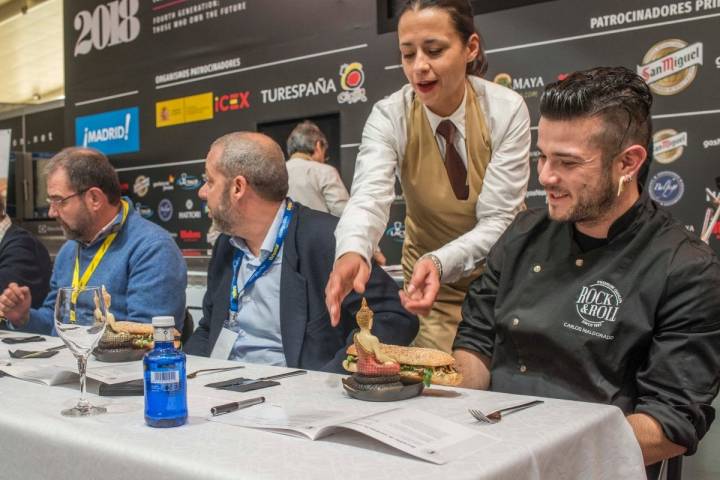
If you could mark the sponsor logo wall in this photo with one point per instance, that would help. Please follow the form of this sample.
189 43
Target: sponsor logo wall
161 80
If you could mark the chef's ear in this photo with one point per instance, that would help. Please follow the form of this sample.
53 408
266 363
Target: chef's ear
631 160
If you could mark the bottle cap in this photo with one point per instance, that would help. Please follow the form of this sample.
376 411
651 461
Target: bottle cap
163 321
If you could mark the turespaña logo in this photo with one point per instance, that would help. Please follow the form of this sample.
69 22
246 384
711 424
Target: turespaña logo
165 210
110 132
396 232
232 101
352 78
143 210
670 66
141 185
666 188
598 303
321 86
188 182
668 145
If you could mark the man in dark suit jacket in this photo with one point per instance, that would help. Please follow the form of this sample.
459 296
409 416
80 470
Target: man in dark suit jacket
23 259
281 318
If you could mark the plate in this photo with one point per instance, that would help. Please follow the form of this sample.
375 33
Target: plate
410 389
115 356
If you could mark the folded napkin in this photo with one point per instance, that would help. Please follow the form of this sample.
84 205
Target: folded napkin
32 354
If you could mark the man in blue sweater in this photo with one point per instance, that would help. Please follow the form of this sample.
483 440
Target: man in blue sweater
108 244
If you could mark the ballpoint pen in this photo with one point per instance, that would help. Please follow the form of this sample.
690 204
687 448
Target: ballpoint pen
231 407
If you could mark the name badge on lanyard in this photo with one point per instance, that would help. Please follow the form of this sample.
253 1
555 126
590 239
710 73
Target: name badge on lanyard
228 336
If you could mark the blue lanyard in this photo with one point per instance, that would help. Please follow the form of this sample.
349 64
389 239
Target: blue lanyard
265 265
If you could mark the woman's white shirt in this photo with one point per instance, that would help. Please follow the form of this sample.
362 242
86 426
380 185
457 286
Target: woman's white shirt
381 153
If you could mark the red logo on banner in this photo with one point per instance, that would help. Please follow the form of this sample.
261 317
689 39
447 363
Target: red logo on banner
232 101
190 235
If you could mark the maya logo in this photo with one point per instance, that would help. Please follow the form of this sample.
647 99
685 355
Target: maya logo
110 132
598 303
188 182
352 78
666 188
111 24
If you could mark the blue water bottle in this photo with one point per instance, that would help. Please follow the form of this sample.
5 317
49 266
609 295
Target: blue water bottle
165 381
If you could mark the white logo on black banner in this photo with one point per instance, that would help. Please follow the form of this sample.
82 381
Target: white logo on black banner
107 25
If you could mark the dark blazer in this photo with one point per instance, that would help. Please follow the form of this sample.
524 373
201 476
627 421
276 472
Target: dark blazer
309 340
25 261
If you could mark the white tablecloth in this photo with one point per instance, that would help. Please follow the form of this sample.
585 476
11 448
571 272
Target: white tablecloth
556 440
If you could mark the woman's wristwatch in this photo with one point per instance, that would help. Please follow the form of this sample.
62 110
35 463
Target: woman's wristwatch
435 260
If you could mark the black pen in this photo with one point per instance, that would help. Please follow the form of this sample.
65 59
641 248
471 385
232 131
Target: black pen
231 407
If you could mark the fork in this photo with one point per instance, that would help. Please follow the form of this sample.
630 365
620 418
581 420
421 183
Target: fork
215 370
496 416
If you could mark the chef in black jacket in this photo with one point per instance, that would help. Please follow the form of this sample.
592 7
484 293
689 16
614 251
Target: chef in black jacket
601 297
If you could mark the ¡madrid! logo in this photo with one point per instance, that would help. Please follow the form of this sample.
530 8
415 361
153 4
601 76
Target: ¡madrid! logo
352 78
670 66
668 145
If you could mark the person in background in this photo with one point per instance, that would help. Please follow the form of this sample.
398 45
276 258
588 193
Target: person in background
310 180
602 296
108 244
459 145
24 259
264 300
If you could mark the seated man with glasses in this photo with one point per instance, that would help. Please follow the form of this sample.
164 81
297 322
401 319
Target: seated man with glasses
109 244
601 297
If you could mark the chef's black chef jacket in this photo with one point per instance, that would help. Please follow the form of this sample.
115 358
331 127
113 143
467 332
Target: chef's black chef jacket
633 321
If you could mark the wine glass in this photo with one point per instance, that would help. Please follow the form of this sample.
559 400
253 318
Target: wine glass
80 315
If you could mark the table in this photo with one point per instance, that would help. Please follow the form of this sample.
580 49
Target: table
556 440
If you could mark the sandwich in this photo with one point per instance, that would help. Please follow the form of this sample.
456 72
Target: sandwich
129 336
418 364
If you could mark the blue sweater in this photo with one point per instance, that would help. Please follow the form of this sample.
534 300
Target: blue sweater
143 270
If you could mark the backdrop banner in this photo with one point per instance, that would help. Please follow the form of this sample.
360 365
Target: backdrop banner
154 83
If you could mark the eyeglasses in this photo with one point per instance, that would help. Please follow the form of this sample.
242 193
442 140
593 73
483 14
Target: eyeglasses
60 201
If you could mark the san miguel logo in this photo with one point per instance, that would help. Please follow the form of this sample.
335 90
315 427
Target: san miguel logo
598 303
352 78
670 66
668 145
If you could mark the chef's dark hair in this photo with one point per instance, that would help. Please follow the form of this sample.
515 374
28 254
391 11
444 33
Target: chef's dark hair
616 94
461 14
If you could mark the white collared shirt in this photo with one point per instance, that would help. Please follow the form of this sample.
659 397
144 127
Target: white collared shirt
259 337
4 225
381 154
458 119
